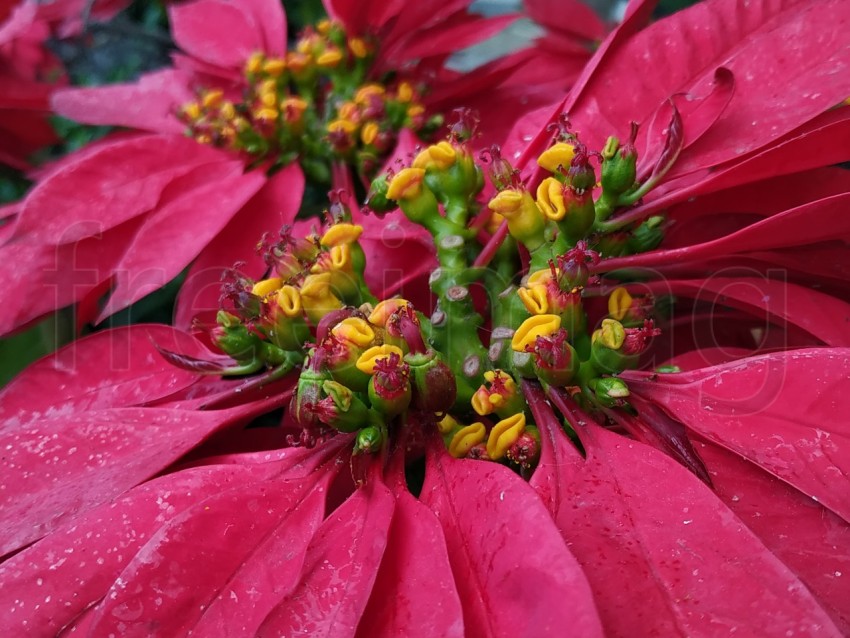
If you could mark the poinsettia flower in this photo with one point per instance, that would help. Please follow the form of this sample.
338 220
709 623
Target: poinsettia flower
638 503
29 72
26 68
243 193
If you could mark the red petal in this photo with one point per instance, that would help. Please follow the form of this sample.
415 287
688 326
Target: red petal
783 411
115 183
663 554
59 466
149 104
271 18
414 587
38 279
819 143
222 564
813 222
457 34
172 235
679 52
822 315
696 115
339 571
804 535
511 567
114 368
218 32
274 205
50 583
571 17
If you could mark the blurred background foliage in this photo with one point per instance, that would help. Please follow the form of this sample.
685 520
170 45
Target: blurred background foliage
136 41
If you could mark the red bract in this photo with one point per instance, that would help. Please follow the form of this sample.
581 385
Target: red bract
693 568
29 73
117 415
180 201
24 67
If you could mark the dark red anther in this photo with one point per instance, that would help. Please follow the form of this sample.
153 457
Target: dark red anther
236 289
338 211
581 173
637 339
575 266
465 125
525 451
288 256
502 174
478 452
561 129
405 324
552 351
392 376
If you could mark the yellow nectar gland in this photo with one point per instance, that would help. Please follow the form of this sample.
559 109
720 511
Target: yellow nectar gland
358 47
265 288
535 299
467 438
367 92
274 67
485 401
211 99
559 155
611 334
504 434
405 92
330 59
525 221
289 301
541 277
406 184
191 111
550 199
366 361
369 133
440 156
255 63
381 312
533 327
447 424
619 303
354 330
343 233
317 298
482 403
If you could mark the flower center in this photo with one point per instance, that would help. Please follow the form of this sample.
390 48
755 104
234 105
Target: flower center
318 103
380 370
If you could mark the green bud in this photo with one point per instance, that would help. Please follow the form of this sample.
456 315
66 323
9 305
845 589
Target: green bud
307 395
377 197
668 369
342 409
619 165
610 391
647 236
580 215
273 355
369 440
523 364
434 384
608 360
390 391
234 339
